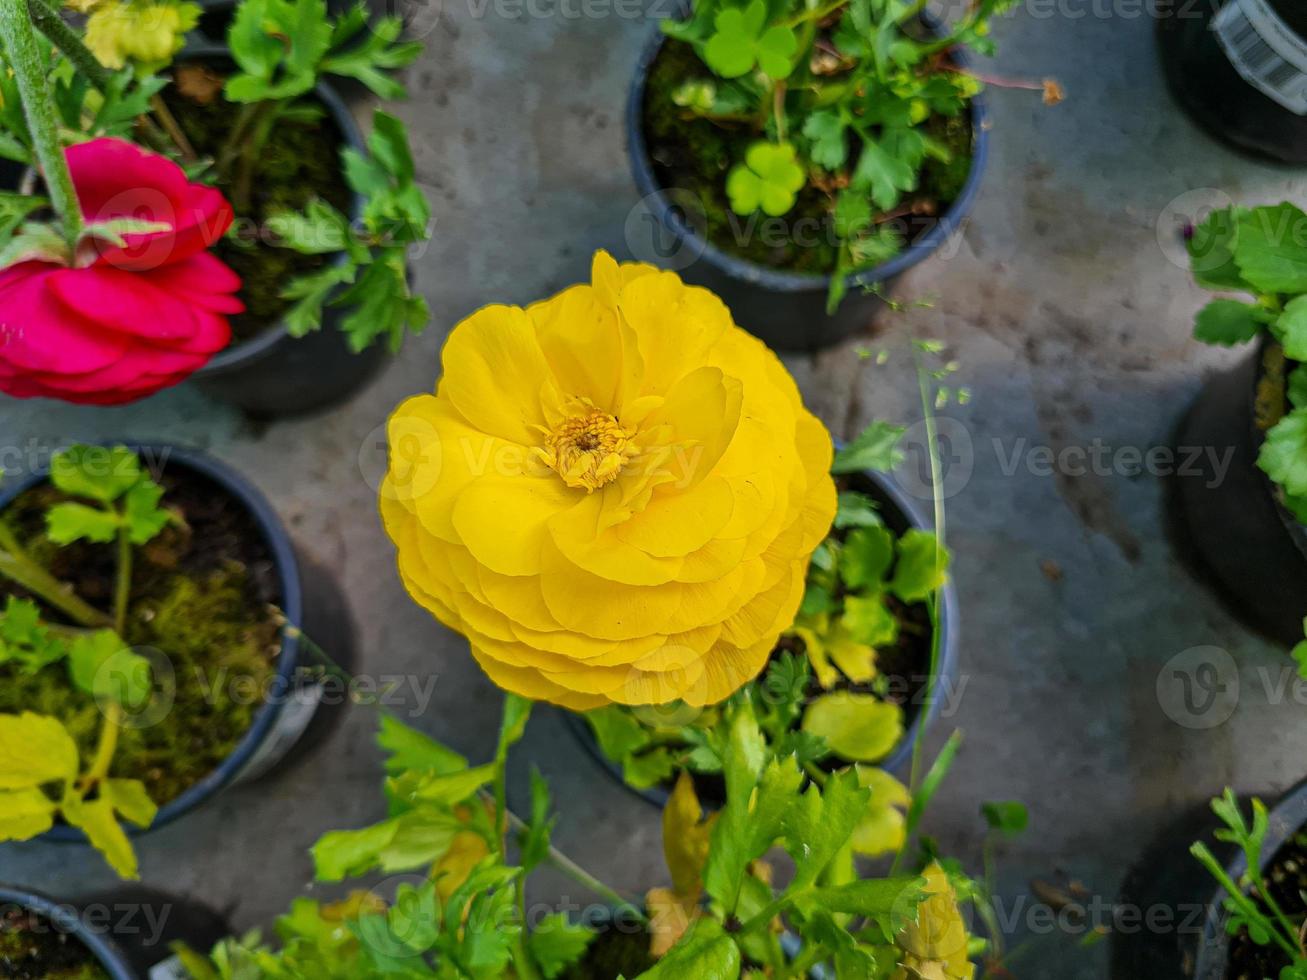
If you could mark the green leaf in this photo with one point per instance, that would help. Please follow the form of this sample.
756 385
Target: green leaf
318 230
102 665
921 567
1299 654
369 61
1271 248
311 292
449 789
1283 456
769 179
867 619
826 129
617 731
1227 322
278 44
68 522
776 50
876 448
649 768
704 953
98 473
25 813
556 944
820 824
1007 817
856 727
1291 328
852 214
36 242
343 854
889 900
732 49
1211 251
35 749
533 843
882 174
517 712
856 510
144 517
866 557
407 748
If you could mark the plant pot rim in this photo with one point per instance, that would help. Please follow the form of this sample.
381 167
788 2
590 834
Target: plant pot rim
240 354
100 946
901 756
1287 818
287 570
765 277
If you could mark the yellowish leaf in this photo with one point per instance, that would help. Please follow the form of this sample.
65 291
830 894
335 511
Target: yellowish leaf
35 749
685 838
857 727
97 820
670 918
25 813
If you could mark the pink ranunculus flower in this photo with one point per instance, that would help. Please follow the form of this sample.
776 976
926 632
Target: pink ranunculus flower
124 321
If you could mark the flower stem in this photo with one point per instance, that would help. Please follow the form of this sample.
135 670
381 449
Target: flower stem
113 714
48 22
38 104
19 568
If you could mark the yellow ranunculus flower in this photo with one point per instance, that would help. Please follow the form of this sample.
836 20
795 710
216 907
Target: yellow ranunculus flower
613 493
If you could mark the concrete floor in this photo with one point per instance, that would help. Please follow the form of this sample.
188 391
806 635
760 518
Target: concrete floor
1070 313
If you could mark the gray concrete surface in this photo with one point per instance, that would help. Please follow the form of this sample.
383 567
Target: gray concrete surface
1071 321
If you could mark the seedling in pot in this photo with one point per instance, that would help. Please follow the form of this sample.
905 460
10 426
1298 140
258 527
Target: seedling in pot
42 776
1267 908
77 745
848 114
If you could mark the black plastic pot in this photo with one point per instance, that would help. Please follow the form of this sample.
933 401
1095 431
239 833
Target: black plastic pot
67 920
296 716
274 374
1207 86
1188 940
900 514
787 310
216 15
1252 549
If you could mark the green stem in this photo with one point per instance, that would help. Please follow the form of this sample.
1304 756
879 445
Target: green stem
123 586
809 957
20 569
561 862
1237 897
260 128
105 749
932 451
47 20
818 14
38 105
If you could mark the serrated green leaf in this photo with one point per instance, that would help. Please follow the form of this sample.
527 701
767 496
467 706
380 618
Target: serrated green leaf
1227 322
68 522
875 448
25 813
1271 248
921 568
1283 455
409 749
865 558
99 473
555 944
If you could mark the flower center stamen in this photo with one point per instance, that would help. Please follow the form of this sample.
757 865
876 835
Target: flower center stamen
588 450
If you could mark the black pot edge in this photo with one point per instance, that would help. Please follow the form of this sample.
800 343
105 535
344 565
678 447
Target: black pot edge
1188 502
256 348
65 917
900 758
290 582
763 277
